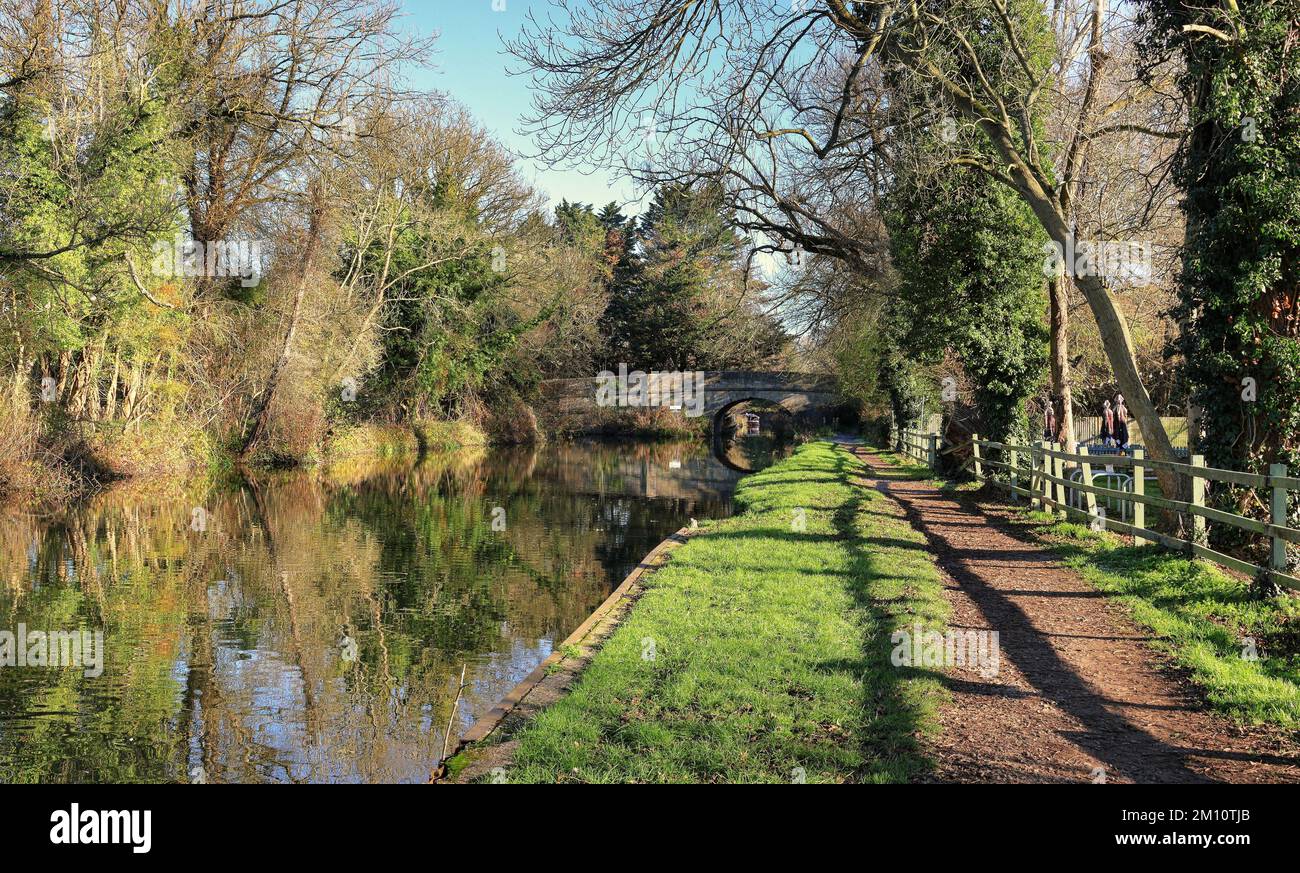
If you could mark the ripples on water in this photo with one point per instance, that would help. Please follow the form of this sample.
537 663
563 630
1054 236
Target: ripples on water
315 631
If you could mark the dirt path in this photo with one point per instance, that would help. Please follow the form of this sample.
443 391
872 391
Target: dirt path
1079 697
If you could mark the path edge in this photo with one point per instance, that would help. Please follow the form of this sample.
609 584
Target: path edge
589 636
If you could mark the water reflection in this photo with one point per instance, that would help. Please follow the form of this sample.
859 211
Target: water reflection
746 454
315 631
753 434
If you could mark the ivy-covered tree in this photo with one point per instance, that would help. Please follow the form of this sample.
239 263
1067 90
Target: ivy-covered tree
77 202
969 258
1240 287
445 331
905 383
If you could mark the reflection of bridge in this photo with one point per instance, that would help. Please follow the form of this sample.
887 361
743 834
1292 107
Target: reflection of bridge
572 402
657 475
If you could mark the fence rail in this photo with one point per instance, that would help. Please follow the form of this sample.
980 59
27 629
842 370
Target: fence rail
1039 472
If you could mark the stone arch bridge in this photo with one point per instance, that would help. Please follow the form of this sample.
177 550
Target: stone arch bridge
571 404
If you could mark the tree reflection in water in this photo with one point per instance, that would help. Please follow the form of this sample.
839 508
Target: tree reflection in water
314 632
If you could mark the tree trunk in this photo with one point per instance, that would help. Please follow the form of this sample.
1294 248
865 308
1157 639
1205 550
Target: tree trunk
262 409
132 391
1119 350
65 368
1194 415
1062 398
110 401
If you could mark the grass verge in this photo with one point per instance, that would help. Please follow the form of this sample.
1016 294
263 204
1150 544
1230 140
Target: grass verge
1244 653
760 653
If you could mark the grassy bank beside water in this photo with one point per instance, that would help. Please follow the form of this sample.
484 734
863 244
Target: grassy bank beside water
761 652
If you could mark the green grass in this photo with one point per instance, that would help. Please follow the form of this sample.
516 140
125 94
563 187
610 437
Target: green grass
1201 617
770 649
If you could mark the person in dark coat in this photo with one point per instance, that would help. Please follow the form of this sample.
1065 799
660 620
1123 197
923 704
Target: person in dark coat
1121 422
1107 425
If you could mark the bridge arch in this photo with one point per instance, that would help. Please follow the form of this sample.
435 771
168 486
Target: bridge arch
792 405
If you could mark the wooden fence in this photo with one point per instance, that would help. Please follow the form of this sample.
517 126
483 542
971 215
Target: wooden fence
1040 472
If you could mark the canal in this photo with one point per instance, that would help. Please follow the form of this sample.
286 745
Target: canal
313 628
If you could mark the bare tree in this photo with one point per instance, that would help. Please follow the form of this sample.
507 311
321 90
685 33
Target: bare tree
796 107
275 89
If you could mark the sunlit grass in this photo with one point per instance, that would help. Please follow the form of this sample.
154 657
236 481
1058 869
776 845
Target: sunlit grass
761 652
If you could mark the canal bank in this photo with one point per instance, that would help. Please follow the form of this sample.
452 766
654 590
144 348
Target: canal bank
486 748
759 653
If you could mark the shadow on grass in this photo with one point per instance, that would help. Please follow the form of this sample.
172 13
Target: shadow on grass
898 703
760 534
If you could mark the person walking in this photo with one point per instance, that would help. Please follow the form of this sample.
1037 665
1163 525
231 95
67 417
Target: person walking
1107 425
1121 422
1049 422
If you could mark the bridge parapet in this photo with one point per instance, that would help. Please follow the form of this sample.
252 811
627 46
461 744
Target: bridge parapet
716 380
740 380
570 404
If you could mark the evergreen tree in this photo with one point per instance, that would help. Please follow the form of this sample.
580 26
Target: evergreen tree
677 295
1240 290
970 263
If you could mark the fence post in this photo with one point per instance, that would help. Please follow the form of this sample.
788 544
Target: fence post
975 452
1139 491
934 451
1278 562
1050 462
1043 476
1198 499
1089 499
1013 457
1033 475
1058 470
1040 468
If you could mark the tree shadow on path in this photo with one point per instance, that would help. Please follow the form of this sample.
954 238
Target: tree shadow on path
1036 606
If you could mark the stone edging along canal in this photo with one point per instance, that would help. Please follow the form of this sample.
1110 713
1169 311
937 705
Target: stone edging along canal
552 677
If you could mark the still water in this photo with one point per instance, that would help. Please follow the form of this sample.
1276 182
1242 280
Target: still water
312 628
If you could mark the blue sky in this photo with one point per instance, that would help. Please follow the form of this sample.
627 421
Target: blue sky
470 65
